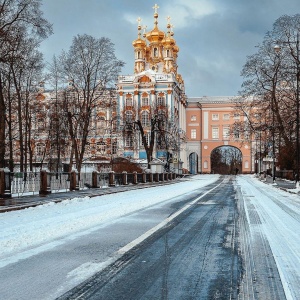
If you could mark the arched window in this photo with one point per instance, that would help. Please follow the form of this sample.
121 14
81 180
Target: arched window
128 140
155 52
205 164
145 118
246 164
160 100
145 101
39 149
129 101
129 116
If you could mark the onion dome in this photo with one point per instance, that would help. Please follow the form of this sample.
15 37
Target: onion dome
155 35
139 42
169 40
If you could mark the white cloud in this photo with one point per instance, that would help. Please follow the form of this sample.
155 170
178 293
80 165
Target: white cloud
180 11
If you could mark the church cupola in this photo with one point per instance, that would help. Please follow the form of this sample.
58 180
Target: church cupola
170 50
140 46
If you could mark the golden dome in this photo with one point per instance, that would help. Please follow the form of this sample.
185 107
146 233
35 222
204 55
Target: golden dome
155 35
139 42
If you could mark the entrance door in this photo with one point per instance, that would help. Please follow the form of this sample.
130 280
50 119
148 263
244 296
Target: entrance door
193 159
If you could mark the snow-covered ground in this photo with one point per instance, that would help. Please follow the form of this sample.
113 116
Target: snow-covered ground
279 214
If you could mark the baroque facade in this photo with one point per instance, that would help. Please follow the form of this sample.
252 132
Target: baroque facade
154 90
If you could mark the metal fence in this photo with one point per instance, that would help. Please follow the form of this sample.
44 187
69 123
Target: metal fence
29 183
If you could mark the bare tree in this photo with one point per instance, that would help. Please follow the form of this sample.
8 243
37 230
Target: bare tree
92 68
19 19
269 89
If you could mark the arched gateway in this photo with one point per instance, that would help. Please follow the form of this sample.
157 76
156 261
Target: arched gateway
209 123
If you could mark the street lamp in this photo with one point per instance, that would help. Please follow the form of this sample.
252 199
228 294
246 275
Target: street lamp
277 49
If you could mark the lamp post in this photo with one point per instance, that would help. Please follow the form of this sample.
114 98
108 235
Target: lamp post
277 49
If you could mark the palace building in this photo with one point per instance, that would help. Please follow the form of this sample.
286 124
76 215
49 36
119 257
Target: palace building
155 91
147 117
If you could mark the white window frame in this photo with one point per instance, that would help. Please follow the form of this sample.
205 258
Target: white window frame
226 132
145 101
129 101
128 141
215 132
226 116
193 134
160 101
193 118
129 116
145 119
215 117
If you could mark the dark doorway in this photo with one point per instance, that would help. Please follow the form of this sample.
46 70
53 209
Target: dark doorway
226 160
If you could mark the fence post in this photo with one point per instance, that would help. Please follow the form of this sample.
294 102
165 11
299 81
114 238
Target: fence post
144 178
94 179
151 177
156 177
135 177
73 183
166 176
5 183
111 181
124 178
45 185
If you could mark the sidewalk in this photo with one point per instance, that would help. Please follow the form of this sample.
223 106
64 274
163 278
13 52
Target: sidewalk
287 185
23 202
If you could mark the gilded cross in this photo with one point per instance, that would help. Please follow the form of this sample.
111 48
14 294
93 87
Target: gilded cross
139 20
155 7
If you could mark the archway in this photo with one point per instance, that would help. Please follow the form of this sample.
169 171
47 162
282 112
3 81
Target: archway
226 160
193 163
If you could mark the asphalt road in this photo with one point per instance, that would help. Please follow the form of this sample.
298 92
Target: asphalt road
195 256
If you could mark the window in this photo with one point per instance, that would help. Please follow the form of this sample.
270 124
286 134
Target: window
155 52
128 141
215 132
226 117
193 118
215 117
129 117
236 134
205 164
145 101
128 101
101 147
114 147
161 101
39 149
145 118
226 132
236 116
193 133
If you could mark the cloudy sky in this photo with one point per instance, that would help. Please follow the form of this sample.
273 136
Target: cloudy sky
214 36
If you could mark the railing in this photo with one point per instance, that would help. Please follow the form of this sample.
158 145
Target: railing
24 183
29 183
